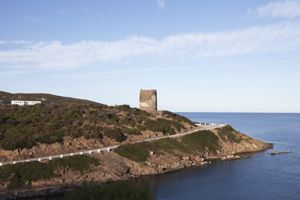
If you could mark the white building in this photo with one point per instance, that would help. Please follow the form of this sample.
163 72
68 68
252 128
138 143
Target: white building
24 103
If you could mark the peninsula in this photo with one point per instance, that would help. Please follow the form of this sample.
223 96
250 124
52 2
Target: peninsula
64 141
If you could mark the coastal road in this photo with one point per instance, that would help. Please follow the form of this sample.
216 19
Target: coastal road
109 148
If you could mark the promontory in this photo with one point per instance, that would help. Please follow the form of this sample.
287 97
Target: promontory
63 141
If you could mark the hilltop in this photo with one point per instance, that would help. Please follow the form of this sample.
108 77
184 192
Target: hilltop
71 123
49 98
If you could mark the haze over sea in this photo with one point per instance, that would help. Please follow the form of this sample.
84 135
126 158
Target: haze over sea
261 176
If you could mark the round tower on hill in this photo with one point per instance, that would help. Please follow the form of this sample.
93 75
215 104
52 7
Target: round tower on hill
148 100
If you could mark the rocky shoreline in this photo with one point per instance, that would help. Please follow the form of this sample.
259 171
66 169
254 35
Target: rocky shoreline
163 156
186 162
145 143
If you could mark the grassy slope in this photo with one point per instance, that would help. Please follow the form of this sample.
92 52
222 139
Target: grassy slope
57 117
23 174
198 143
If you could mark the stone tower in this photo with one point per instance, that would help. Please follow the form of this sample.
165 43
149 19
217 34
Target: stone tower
148 100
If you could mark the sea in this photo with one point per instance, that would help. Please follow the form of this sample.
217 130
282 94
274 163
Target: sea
259 177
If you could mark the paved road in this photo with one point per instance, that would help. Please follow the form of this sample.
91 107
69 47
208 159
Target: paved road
109 148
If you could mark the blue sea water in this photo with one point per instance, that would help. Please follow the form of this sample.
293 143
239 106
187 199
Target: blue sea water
261 176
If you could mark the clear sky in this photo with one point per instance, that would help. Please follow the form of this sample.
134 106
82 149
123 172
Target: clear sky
209 56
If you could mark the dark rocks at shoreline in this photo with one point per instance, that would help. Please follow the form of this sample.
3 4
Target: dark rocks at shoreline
273 153
37 192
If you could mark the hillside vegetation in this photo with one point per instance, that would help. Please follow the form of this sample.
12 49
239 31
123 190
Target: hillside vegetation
197 142
23 174
57 117
113 191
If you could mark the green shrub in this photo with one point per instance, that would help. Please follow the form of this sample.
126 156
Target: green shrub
139 152
115 133
124 107
133 111
128 121
55 136
7 120
178 117
90 132
15 181
178 126
75 163
25 126
17 140
120 190
131 131
169 145
228 133
21 174
160 125
201 140
19 137
110 118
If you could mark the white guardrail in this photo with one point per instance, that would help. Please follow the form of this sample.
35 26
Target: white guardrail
107 149
210 124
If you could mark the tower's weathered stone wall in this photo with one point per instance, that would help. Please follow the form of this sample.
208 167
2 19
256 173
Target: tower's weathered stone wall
148 100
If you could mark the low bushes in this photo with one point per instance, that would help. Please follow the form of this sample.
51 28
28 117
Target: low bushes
21 174
75 163
49 122
131 131
115 134
114 191
201 140
228 133
160 125
139 152
55 136
19 138
92 132
178 117
24 173
16 141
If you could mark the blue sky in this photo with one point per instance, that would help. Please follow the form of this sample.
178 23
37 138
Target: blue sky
210 56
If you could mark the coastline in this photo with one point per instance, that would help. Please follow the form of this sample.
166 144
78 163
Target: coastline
59 190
